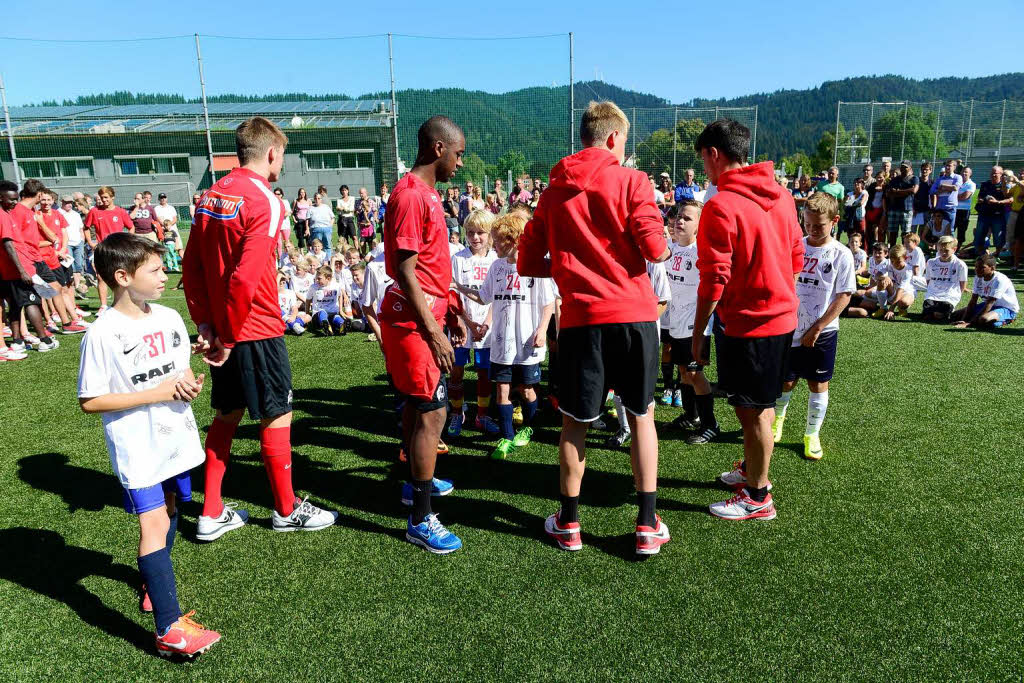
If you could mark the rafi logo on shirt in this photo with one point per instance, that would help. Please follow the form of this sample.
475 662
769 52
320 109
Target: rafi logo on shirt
153 373
219 205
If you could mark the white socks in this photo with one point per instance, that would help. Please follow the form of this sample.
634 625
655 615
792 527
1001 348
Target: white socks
883 299
620 413
782 404
817 404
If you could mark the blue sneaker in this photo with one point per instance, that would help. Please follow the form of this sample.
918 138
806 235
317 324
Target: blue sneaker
677 398
455 423
441 487
431 535
486 425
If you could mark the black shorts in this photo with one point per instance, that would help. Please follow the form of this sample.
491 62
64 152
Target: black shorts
44 272
751 369
64 276
931 307
347 227
18 295
516 375
665 337
682 351
816 363
595 358
256 376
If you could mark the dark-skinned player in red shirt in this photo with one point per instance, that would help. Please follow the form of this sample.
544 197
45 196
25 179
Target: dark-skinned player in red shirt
416 348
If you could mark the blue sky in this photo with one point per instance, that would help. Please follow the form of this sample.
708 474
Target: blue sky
674 50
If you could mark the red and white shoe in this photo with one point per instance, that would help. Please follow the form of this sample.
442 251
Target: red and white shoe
736 478
8 353
650 539
567 536
145 604
73 328
186 638
82 314
742 506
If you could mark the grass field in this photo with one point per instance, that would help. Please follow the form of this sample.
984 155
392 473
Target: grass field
896 557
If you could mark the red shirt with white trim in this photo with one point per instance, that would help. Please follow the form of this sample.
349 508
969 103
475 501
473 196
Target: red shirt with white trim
56 223
415 222
10 232
229 271
25 221
107 221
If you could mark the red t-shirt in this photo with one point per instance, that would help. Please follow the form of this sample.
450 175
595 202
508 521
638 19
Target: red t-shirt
107 221
25 221
9 231
415 222
56 223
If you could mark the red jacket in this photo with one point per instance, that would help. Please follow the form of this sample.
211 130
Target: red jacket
749 248
229 271
599 223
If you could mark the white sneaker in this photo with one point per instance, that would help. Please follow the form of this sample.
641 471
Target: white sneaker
305 517
10 354
31 339
55 318
16 347
736 478
210 529
48 344
82 314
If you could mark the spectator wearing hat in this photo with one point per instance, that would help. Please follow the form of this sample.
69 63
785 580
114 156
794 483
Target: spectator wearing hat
687 189
899 202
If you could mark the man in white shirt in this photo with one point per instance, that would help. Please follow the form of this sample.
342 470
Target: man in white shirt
76 239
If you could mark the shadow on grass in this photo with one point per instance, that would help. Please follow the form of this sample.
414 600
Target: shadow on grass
41 561
80 488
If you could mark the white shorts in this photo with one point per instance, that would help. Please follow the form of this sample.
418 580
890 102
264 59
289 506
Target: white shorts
919 219
919 283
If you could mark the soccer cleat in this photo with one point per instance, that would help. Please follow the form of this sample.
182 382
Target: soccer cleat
402 457
7 331
486 425
73 328
432 536
567 536
305 517
517 416
31 339
777 427
687 423
326 329
210 529
17 347
186 637
101 310
145 604
503 449
12 355
706 435
439 487
742 506
82 314
55 318
677 398
812 447
455 423
52 329
666 398
736 478
650 539
599 424
880 313
619 439
442 447
298 329
522 437
610 396
48 344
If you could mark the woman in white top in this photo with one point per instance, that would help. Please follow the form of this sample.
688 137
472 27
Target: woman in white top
856 203
346 208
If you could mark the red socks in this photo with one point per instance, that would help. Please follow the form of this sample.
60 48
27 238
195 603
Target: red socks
218 449
483 392
276 448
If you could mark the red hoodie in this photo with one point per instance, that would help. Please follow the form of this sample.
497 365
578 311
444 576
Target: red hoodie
749 247
599 222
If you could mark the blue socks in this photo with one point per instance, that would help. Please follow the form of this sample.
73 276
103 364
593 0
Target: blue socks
158 574
505 420
172 531
529 410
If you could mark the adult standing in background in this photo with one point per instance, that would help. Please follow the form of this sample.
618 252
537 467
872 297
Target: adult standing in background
749 252
899 202
320 221
945 190
346 209
688 188
300 212
499 189
924 199
964 199
144 219
991 207
832 186
76 239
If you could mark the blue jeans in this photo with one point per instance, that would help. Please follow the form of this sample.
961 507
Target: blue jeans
78 254
996 225
324 235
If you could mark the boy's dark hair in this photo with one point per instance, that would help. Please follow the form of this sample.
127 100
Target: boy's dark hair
31 188
731 138
986 260
8 186
123 251
677 208
343 188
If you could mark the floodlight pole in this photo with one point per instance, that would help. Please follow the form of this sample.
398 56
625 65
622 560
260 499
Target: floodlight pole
572 97
206 111
10 136
753 153
394 103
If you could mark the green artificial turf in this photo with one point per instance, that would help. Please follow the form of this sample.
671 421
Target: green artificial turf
898 556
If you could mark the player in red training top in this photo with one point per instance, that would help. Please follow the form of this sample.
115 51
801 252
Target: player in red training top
599 223
106 218
231 290
416 349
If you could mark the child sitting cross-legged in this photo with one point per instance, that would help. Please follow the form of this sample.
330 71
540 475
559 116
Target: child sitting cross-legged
325 303
993 301
295 320
947 280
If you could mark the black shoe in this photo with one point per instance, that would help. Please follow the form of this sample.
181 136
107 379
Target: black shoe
687 423
716 392
619 439
704 436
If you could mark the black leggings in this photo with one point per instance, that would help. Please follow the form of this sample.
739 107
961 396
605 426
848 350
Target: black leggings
300 232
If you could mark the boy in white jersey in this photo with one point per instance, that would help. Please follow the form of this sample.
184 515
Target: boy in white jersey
860 259
699 415
916 259
520 313
947 280
352 309
135 372
993 299
868 299
824 288
295 321
469 269
302 281
325 303
377 283
673 394
897 293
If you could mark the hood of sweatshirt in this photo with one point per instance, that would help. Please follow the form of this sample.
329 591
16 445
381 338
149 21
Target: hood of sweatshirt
578 171
755 182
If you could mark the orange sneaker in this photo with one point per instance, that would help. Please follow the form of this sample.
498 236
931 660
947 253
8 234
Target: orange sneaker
442 447
186 637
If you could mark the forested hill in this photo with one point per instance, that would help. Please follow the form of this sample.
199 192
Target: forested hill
534 121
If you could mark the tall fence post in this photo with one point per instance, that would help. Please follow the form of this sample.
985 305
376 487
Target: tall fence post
903 142
999 145
970 134
10 134
206 111
835 145
632 129
871 131
572 97
675 141
753 153
394 106
938 125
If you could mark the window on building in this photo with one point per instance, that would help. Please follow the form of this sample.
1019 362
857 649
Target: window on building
336 160
152 165
57 168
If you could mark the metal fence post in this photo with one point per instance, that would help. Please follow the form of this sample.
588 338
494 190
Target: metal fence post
632 127
394 106
753 153
999 145
675 141
903 142
938 125
7 130
206 111
835 145
970 134
871 130
572 98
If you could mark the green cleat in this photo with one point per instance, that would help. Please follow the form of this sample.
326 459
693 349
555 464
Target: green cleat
777 428
812 447
522 437
503 449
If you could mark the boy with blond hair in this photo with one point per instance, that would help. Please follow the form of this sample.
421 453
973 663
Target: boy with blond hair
947 279
897 293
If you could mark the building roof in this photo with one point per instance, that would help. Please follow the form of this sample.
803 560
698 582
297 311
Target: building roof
189 117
